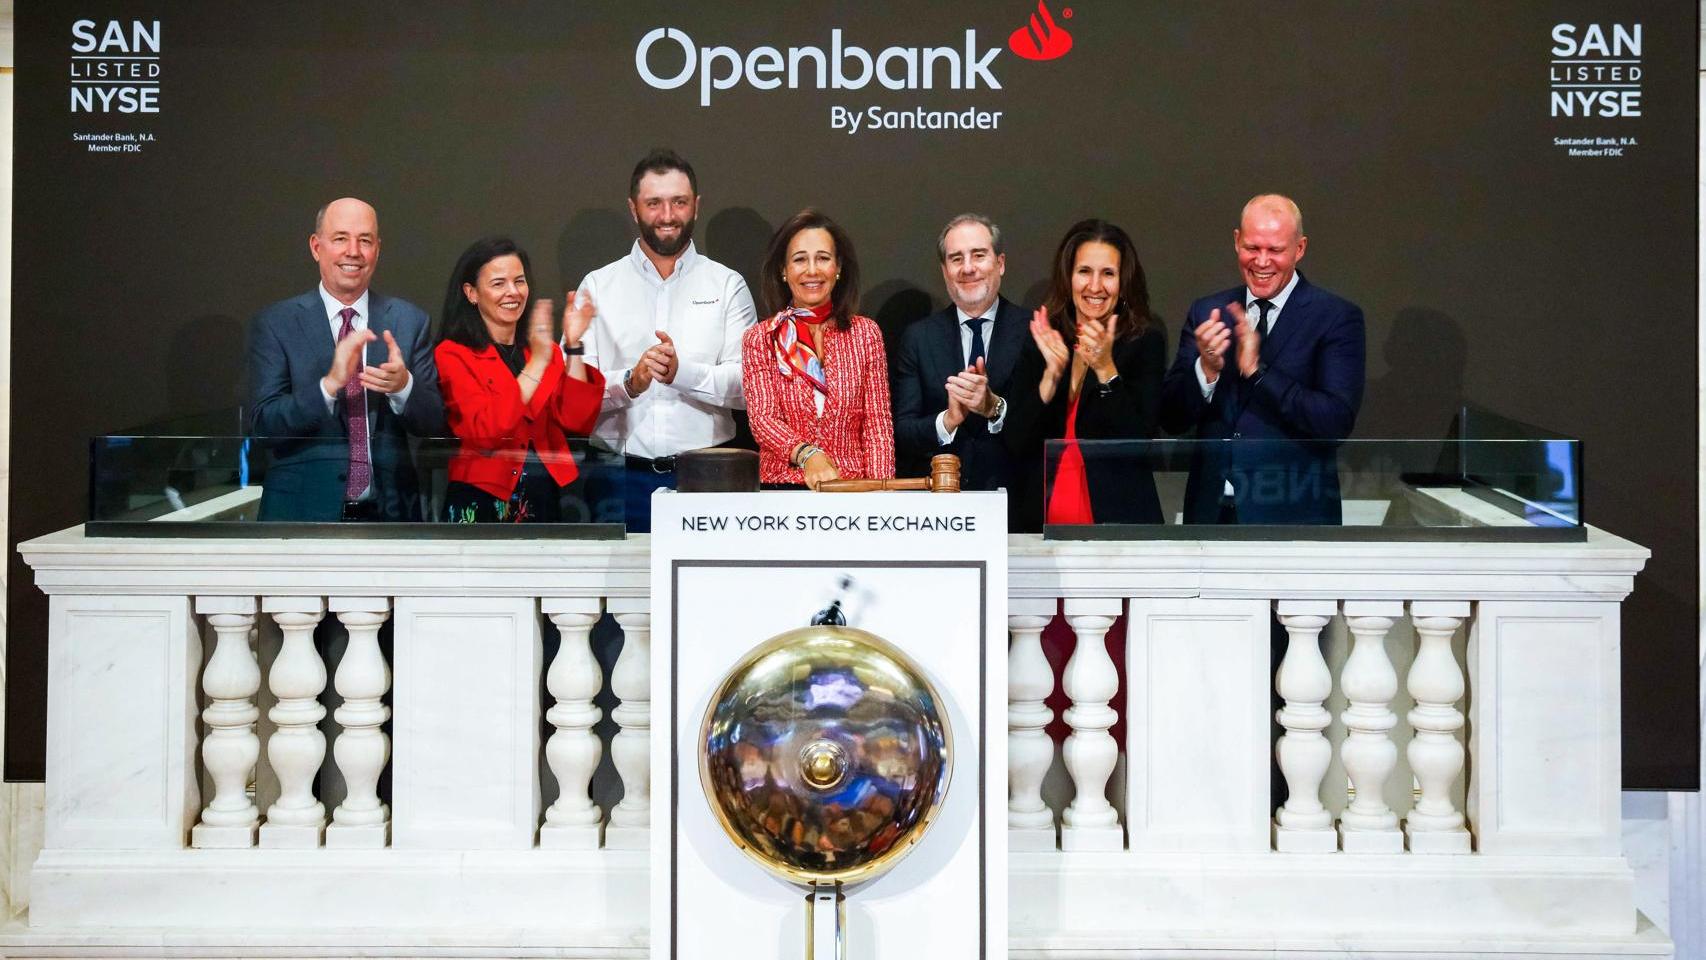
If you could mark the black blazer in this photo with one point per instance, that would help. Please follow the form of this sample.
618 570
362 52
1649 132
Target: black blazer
290 348
929 354
1122 488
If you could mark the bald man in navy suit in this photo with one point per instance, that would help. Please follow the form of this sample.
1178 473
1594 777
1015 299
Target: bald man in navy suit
337 377
1277 364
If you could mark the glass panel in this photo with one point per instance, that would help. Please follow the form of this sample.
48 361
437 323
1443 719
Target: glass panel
207 485
1544 470
1456 488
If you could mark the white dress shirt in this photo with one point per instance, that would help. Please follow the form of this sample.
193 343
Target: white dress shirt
1250 299
358 322
944 436
705 308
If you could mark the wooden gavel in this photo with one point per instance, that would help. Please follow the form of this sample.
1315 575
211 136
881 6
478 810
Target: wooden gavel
944 478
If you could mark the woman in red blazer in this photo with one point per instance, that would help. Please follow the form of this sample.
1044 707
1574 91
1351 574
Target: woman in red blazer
512 400
815 375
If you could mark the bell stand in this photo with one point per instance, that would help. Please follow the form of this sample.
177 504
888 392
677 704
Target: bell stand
826 922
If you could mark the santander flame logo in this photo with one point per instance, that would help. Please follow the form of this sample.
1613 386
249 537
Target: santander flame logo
1042 38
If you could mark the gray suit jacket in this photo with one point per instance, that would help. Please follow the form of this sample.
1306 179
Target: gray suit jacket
290 349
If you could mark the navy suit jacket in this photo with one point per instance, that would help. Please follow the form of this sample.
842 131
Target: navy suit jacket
929 354
290 349
1297 412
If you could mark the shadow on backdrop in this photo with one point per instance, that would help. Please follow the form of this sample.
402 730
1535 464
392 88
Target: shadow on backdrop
1034 296
1421 392
205 373
591 239
737 237
895 305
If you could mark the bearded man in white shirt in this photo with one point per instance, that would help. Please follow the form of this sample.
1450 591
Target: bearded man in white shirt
666 334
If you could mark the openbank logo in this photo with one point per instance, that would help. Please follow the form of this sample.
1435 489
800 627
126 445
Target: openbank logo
667 58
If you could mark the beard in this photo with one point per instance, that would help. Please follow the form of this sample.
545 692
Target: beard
667 248
966 297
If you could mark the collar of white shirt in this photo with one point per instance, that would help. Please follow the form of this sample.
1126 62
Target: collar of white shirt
643 263
333 308
1278 300
987 315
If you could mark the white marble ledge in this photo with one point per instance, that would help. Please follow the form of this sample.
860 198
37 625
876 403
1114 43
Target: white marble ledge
1646 941
1601 568
70 562
20 941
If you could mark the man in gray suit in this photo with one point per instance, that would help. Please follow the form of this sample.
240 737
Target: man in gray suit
337 377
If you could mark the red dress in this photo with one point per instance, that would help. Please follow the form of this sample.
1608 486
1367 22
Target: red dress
1069 498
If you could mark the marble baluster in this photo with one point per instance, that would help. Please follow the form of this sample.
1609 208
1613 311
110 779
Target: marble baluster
1369 683
1436 825
231 748
1030 680
297 747
630 751
1304 824
1090 822
573 751
361 748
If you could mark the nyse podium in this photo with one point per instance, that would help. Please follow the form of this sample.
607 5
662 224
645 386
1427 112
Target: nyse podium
919 570
498 762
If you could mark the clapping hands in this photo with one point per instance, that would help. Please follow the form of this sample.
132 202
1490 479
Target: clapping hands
1056 354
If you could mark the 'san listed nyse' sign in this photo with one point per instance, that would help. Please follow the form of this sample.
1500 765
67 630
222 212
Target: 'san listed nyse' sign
1596 70
115 66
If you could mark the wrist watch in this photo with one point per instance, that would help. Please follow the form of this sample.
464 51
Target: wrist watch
1000 408
1107 388
628 383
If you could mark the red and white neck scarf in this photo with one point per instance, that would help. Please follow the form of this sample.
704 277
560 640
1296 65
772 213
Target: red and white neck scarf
793 339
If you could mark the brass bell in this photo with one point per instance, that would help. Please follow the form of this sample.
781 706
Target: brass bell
825 754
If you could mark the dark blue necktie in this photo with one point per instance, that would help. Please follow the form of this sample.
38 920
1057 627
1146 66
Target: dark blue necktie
1265 306
976 325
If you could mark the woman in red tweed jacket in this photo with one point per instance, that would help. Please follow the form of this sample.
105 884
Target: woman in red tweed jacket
815 374
509 393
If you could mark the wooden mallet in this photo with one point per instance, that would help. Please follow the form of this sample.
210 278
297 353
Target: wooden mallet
944 478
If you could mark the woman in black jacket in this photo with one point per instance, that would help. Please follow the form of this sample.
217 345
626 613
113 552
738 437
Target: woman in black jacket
1098 367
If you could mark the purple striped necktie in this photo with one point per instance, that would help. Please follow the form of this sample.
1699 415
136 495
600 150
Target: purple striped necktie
355 421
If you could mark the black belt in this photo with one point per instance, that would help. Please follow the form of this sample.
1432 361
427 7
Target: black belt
659 465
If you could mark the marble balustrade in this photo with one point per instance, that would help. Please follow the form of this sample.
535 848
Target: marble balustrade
366 735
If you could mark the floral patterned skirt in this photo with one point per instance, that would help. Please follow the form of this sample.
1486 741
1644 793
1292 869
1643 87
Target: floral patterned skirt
537 499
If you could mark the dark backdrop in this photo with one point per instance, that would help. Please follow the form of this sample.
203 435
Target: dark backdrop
1417 136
